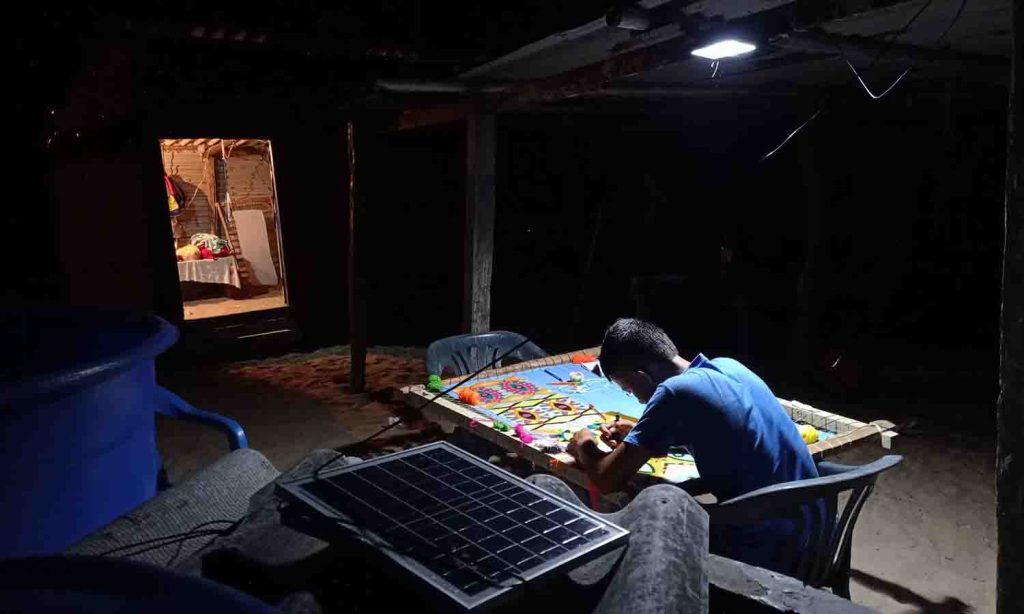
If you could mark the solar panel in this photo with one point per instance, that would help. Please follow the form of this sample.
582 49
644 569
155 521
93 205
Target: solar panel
468 530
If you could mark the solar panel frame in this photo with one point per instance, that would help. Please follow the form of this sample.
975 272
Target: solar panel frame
506 483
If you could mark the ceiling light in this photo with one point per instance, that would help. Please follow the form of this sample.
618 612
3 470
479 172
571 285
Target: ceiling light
724 49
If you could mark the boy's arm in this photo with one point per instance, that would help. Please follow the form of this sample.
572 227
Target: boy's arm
608 471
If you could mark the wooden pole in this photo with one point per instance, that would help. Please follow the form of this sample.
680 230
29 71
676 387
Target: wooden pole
479 233
356 319
1010 411
805 327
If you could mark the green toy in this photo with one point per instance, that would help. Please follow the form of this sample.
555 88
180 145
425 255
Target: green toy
434 383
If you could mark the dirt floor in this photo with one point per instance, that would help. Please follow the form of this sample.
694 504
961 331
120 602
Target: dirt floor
288 406
224 306
925 541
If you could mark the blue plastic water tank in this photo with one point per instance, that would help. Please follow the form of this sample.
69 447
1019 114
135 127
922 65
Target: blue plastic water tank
77 436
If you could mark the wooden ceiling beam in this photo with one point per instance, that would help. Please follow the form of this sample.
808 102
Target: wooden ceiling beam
592 78
817 41
576 82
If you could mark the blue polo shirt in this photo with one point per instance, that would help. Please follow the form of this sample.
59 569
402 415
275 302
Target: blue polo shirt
740 438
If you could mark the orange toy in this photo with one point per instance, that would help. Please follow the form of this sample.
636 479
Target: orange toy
582 358
469 396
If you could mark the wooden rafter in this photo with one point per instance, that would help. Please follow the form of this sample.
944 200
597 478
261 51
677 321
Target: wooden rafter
576 82
827 43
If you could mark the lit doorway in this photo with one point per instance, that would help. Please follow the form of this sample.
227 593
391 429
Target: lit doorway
224 221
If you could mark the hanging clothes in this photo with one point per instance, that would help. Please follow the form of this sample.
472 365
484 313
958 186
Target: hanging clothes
175 201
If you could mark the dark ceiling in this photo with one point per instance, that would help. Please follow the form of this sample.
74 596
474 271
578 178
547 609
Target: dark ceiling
456 32
311 50
64 64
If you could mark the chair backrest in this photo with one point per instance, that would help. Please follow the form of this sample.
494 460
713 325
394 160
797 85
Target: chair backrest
830 534
463 354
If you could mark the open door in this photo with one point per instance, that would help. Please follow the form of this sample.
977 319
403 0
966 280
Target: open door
224 220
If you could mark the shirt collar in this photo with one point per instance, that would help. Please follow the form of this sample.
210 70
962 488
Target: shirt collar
698 361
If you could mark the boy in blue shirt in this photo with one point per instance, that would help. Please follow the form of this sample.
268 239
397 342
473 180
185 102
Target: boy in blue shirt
720 411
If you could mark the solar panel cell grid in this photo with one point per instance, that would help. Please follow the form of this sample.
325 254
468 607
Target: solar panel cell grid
472 526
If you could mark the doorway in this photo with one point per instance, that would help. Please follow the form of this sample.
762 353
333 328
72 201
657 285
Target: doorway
225 225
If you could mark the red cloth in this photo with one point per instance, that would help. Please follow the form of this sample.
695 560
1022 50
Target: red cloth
207 254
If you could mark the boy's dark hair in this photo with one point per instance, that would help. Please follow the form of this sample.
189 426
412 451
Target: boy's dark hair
633 345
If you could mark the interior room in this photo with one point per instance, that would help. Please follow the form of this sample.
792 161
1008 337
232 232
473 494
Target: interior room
224 220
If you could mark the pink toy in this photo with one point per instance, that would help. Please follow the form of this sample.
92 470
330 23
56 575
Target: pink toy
523 435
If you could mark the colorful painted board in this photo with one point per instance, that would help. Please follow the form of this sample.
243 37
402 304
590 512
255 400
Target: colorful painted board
555 401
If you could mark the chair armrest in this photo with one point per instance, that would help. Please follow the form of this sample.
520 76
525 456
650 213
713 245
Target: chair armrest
694 487
175 407
764 502
826 468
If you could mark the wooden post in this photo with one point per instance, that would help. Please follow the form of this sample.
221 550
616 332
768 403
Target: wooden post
805 327
356 319
1010 411
479 232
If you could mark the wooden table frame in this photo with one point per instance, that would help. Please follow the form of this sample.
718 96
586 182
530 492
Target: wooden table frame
451 412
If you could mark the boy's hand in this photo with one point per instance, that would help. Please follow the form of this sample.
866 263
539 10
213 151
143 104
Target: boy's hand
613 433
580 441
607 471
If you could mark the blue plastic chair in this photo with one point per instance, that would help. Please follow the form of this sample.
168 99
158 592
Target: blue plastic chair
464 354
825 561
174 406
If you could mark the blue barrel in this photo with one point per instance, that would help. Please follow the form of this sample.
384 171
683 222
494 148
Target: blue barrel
77 426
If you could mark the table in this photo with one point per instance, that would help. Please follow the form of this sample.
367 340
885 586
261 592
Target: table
217 271
541 396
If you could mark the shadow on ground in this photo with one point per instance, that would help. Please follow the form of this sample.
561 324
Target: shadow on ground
947 605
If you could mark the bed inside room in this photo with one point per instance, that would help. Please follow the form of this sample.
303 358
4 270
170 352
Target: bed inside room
224 222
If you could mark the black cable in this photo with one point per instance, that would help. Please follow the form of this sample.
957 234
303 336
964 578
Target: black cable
226 531
341 450
177 553
173 538
792 134
913 64
956 18
156 539
194 533
900 32
888 45
183 538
